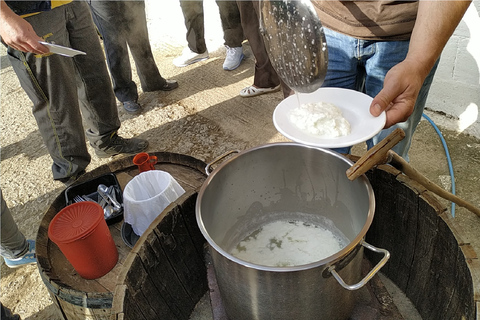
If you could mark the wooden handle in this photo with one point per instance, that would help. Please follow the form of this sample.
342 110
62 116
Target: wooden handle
377 155
402 165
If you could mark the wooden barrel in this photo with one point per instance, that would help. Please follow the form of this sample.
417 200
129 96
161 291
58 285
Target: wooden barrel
164 276
78 298
430 262
438 271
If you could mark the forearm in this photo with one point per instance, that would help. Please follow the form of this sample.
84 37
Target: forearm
6 14
436 22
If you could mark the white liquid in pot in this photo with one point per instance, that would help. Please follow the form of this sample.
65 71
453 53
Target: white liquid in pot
285 243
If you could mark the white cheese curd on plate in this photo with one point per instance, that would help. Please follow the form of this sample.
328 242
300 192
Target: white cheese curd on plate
322 119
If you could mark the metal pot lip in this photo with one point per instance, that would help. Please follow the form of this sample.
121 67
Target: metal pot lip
321 263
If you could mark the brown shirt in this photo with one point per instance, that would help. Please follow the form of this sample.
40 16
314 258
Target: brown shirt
373 20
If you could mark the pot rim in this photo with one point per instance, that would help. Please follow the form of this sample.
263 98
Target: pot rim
324 262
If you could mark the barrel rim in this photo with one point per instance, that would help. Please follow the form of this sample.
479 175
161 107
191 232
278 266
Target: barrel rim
89 299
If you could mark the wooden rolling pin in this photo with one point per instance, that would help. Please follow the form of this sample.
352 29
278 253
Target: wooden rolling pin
381 154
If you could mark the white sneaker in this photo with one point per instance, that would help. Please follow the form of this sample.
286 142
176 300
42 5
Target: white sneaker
234 58
188 57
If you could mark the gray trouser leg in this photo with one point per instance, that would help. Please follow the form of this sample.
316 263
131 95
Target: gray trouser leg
231 24
194 22
60 87
13 242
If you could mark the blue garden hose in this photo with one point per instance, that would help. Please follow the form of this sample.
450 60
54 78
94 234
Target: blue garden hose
449 160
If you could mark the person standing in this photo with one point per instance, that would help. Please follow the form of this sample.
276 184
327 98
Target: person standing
59 87
194 22
388 50
123 25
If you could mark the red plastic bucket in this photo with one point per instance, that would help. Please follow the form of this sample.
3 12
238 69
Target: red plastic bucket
81 233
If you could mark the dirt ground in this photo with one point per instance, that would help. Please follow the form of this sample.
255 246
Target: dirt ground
203 118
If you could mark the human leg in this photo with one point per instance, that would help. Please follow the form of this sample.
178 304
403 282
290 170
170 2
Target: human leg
231 23
95 93
14 248
343 62
232 33
194 22
54 105
139 43
265 75
109 17
13 242
344 67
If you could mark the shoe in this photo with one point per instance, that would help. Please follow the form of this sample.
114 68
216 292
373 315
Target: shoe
29 257
119 145
188 57
67 181
168 86
131 107
253 91
233 59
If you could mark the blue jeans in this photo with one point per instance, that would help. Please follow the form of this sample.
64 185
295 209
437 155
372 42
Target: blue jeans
362 65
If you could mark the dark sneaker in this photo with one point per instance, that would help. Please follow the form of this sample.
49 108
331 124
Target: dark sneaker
169 85
119 145
29 257
132 107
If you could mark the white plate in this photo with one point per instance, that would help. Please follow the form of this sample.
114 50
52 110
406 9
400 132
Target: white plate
355 109
61 50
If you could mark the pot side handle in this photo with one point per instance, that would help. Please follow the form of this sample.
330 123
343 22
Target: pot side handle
208 169
369 275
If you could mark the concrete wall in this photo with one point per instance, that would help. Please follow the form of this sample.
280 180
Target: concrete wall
455 91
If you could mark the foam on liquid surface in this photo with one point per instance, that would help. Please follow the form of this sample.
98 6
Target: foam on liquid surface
285 243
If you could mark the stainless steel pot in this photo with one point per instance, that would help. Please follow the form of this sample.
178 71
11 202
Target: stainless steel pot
254 186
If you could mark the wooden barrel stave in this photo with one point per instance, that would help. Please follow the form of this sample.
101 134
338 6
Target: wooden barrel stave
173 273
78 298
427 261
430 262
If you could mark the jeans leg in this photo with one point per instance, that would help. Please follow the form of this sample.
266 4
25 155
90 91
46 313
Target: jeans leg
109 19
231 24
136 32
343 66
194 22
13 242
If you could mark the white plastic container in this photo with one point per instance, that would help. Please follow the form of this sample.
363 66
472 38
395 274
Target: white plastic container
146 196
